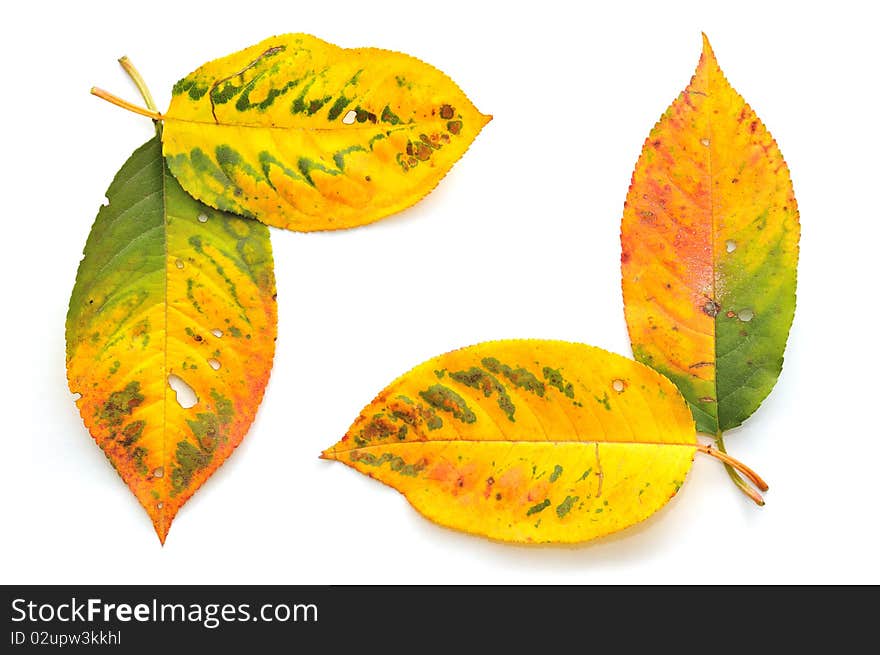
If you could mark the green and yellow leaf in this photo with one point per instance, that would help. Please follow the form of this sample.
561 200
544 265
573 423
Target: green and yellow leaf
709 251
169 290
302 134
527 441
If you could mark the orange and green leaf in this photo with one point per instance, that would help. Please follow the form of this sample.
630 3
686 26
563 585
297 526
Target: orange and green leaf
169 290
527 441
709 251
302 134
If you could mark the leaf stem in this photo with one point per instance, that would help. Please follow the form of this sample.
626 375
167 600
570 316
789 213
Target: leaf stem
119 102
135 76
733 466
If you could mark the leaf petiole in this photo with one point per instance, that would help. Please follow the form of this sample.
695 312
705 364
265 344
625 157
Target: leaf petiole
119 102
734 467
135 76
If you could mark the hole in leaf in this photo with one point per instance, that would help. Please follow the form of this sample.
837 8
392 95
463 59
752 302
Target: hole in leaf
350 117
158 472
214 363
160 505
77 395
178 263
203 218
746 315
731 245
186 396
217 333
705 142
618 385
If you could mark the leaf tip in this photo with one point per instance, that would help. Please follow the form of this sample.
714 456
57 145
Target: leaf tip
708 53
161 531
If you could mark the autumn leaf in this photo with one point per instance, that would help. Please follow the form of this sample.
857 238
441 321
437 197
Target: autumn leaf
527 440
709 251
302 134
171 298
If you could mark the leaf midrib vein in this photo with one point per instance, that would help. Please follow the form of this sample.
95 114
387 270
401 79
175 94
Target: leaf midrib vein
351 128
166 475
713 239
585 442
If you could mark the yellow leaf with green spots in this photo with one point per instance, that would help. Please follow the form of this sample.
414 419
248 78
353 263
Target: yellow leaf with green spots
709 251
527 440
302 134
169 291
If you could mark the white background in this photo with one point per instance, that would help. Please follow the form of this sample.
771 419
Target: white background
524 230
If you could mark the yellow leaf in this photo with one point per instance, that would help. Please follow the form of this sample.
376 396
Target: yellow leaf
170 333
709 251
527 440
302 134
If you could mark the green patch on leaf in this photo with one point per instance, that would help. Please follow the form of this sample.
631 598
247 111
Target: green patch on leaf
564 507
477 378
518 377
445 399
554 379
540 507
121 404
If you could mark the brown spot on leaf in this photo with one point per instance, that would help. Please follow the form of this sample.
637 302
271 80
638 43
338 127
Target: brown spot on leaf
362 116
121 404
378 428
447 112
132 432
711 308
454 127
